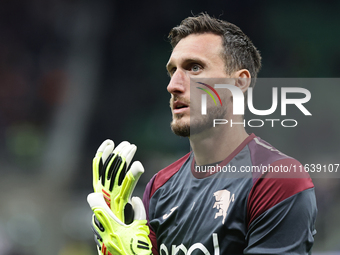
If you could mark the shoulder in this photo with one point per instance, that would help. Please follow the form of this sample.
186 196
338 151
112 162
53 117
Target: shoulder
160 178
166 173
279 180
263 153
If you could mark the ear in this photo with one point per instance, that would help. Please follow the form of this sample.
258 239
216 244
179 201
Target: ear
243 79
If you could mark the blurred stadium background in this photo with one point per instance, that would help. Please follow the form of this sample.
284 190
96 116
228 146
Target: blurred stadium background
73 73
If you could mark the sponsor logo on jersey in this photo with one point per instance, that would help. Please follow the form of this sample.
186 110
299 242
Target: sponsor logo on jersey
163 250
223 200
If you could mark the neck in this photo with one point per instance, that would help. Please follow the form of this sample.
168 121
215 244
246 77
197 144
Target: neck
217 143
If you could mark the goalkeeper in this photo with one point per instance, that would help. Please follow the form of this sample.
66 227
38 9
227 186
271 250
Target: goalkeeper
200 212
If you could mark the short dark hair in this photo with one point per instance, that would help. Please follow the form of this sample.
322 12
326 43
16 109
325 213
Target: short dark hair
239 52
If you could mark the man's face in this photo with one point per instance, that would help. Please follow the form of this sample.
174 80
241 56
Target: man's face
195 56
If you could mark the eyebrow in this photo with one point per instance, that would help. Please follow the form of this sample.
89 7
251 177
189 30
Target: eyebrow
169 65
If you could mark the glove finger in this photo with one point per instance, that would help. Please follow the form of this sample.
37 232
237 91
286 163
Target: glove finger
122 157
107 151
138 208
128 152
130 180
97 242
96 200
98 225
98 163
105 160
121 146
112 162
136 169
117 165
104 145
95 224
120 163
115 161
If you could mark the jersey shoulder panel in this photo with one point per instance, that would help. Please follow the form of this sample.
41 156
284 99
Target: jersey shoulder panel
159 179
277 184
263 153
166 173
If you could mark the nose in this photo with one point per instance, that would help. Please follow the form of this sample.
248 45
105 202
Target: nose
178 83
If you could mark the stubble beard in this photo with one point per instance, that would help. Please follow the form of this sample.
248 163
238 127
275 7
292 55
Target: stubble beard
180 127
198 124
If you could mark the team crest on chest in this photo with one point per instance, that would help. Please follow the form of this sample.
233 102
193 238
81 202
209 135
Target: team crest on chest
223 199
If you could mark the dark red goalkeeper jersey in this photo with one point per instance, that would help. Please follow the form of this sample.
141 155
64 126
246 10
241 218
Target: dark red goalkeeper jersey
256 201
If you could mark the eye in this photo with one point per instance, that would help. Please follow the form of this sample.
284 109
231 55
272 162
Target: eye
196 68
172 71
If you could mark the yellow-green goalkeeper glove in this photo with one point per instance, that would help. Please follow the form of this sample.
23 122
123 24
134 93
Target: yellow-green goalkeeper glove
116 228
113 236
110 177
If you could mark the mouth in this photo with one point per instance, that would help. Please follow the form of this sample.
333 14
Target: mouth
179 107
